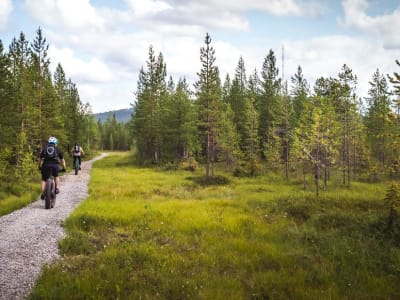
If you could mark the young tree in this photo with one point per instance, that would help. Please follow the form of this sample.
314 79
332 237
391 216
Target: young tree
209 103
268 107
395 80
178 119
299 93
151 92
377 121
43 88
315 140
347 108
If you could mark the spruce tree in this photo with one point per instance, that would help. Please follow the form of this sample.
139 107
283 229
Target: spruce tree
377 119
209 103
299 93
268 107
178 120
151 93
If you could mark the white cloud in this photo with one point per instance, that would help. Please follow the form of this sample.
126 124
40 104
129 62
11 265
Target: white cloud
142 8
173 16
381 27
280 7
91 71
110 45
70 14
5 10
326 56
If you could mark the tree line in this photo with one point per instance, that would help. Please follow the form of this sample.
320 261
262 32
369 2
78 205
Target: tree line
257 121
34 105
247 123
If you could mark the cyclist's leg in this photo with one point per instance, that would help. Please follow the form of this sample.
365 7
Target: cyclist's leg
45 175
80 162
56 169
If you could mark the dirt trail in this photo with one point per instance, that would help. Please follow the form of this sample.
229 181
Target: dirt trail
29 236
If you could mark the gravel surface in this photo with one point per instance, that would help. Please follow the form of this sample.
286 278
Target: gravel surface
29 236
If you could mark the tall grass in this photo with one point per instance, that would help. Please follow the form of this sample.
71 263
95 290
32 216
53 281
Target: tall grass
16 196
151 234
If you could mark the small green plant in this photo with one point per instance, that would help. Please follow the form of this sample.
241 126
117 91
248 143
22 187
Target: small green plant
212 180
189 164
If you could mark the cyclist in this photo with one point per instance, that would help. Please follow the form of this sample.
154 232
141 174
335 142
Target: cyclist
50 158
77 153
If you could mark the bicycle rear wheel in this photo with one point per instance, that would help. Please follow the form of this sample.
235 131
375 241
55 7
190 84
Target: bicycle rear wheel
76 166
47 193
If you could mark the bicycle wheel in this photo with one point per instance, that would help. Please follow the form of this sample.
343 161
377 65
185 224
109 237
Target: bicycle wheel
76 166
53 194
47 193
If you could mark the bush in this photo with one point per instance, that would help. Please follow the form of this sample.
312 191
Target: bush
189 164
248 169
392 201
213 180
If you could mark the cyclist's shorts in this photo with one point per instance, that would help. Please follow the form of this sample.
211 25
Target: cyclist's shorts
47 168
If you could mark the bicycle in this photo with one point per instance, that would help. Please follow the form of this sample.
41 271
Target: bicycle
77 165
50 190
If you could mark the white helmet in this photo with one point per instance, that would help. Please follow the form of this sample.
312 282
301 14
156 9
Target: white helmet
52 140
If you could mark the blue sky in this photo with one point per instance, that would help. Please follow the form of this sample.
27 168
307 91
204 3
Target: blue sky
103 44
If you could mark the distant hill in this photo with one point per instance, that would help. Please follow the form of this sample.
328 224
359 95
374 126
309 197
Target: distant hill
122 115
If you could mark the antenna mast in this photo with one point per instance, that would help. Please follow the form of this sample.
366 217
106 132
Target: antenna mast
283 62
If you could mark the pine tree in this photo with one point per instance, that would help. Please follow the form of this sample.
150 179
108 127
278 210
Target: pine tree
229 140
285 126
299 92
7 102
347 110
395 80
209 103
151 93
178 119
268 107
252 143
7 112
377 119
41 79
315 140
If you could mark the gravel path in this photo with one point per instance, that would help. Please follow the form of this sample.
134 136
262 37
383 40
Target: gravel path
29 236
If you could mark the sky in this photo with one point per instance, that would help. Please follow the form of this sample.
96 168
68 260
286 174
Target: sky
102 44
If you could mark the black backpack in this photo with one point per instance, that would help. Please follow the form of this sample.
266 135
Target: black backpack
51 152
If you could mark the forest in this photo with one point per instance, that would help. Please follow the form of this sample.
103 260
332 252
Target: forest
34 105
245 124
250 124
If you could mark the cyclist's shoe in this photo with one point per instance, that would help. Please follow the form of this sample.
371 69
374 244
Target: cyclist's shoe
42 196
80 168
57 191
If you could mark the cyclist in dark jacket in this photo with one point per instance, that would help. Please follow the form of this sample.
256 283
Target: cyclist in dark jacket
50 159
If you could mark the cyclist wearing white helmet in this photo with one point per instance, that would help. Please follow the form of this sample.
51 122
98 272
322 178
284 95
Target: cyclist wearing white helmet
50 159
77 153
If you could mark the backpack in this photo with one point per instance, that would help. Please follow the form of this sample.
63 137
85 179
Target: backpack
51 152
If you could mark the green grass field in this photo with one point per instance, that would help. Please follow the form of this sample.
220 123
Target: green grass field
150 234
15 196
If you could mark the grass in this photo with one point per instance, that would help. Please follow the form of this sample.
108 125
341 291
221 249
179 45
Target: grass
15 197
151 234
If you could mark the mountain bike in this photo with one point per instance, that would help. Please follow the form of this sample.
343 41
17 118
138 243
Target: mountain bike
50 190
